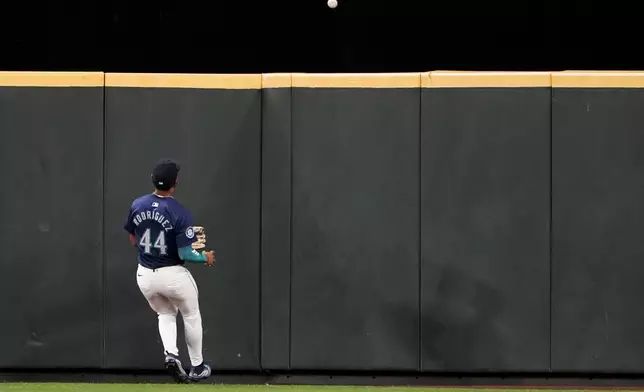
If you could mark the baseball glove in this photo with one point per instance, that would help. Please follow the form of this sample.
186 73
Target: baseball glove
200 233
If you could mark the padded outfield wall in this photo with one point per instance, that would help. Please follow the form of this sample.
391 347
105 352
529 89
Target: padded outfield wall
442 221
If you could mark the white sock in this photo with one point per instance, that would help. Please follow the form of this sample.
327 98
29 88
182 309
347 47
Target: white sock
168 332
194 336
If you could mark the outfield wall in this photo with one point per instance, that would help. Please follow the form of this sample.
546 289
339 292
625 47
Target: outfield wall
441 221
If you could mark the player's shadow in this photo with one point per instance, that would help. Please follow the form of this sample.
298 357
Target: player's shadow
462 324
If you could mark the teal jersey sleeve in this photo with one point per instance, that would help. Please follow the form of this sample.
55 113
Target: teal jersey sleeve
188 254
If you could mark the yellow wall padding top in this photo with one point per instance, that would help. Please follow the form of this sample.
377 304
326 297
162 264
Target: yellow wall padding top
52 79
434 79
439 79
601 79
276 80
205 81
375 80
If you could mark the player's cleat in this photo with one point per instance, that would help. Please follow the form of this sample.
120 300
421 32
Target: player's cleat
200 372
174 367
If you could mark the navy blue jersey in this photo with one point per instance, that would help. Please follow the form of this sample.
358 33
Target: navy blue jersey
161 226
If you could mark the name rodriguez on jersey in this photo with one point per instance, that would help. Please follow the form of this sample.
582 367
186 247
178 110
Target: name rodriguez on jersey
152 215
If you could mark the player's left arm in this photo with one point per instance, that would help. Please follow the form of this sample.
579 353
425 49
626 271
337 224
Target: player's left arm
185 237
188 254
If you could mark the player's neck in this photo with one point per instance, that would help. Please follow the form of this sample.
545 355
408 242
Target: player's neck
162 193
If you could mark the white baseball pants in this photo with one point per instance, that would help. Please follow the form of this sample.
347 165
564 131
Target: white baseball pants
168 290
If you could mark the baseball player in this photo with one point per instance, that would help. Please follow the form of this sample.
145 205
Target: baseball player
163 232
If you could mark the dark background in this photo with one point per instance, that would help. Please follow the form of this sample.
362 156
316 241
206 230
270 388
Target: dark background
258 36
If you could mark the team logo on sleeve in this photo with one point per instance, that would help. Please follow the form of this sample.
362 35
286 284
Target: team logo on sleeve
190 232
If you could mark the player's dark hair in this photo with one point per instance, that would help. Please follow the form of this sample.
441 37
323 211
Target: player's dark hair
164 175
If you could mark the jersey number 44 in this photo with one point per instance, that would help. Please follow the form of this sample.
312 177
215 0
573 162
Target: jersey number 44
159 242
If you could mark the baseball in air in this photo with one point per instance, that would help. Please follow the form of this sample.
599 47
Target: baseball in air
332 3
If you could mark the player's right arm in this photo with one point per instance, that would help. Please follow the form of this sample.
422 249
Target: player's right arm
129 227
